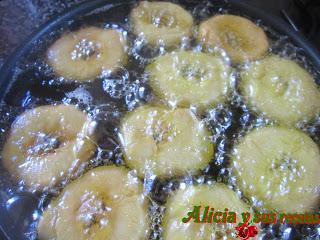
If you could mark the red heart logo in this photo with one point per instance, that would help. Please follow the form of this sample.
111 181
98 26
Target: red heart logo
253 231
245 232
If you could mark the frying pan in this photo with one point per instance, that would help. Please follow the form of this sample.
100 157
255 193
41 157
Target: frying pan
15 218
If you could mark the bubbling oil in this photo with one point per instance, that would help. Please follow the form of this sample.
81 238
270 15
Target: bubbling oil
109 97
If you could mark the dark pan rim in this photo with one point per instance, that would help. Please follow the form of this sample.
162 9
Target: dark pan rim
7 69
